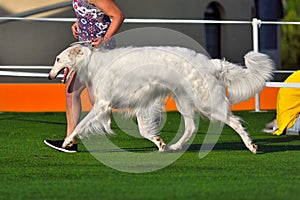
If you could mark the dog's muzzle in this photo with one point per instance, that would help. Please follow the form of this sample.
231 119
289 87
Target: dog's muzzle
65 76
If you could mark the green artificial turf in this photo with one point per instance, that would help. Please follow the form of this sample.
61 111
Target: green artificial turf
31 170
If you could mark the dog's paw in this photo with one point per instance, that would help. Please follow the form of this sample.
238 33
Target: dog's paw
162 148
68 143
173 147
253 148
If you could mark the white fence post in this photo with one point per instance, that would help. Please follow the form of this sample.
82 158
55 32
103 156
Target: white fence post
255 25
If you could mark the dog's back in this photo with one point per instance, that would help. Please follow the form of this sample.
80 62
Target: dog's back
135 77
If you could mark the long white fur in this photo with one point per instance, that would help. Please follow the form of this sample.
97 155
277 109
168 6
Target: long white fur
242 82
140 78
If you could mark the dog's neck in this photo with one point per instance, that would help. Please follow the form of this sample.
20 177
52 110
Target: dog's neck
82 68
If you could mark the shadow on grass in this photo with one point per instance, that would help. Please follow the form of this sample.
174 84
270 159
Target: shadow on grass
138 150
31 118
267 145
270 145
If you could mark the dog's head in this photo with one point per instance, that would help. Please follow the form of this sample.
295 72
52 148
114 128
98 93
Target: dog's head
69 60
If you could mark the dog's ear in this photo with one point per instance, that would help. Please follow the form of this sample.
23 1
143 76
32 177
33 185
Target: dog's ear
76 51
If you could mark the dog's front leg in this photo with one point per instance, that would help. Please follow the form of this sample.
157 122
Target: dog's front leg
147 129
70 140
190 128
96 121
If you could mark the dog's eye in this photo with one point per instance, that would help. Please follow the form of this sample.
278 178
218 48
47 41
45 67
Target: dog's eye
57 59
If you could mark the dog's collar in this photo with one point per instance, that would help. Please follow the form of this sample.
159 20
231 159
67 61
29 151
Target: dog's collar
84 43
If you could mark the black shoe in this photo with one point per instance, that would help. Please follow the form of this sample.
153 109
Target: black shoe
57 144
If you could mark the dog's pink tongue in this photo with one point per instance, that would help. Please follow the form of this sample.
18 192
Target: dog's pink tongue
64 79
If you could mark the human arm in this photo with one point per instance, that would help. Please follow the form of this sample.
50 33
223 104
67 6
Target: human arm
110 8
75 29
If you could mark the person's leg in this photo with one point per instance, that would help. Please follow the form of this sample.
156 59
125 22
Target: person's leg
74 89
73 110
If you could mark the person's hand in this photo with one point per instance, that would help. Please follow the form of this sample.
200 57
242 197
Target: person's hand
75 29
97 42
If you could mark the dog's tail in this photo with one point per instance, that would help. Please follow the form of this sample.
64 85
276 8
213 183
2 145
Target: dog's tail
244 82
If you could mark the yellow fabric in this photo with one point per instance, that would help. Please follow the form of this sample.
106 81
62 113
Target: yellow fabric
288 104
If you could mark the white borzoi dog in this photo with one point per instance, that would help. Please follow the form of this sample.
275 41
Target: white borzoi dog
140 78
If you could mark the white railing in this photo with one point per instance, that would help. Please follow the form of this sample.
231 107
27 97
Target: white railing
25 74
256 23
282 85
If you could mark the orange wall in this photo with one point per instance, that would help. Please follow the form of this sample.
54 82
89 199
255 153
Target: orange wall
51 98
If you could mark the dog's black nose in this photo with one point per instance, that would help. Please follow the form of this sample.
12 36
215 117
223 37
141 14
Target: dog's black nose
49 78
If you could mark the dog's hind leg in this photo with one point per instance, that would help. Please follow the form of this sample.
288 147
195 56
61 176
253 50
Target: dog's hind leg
235 124
189 130
185 106
148 129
